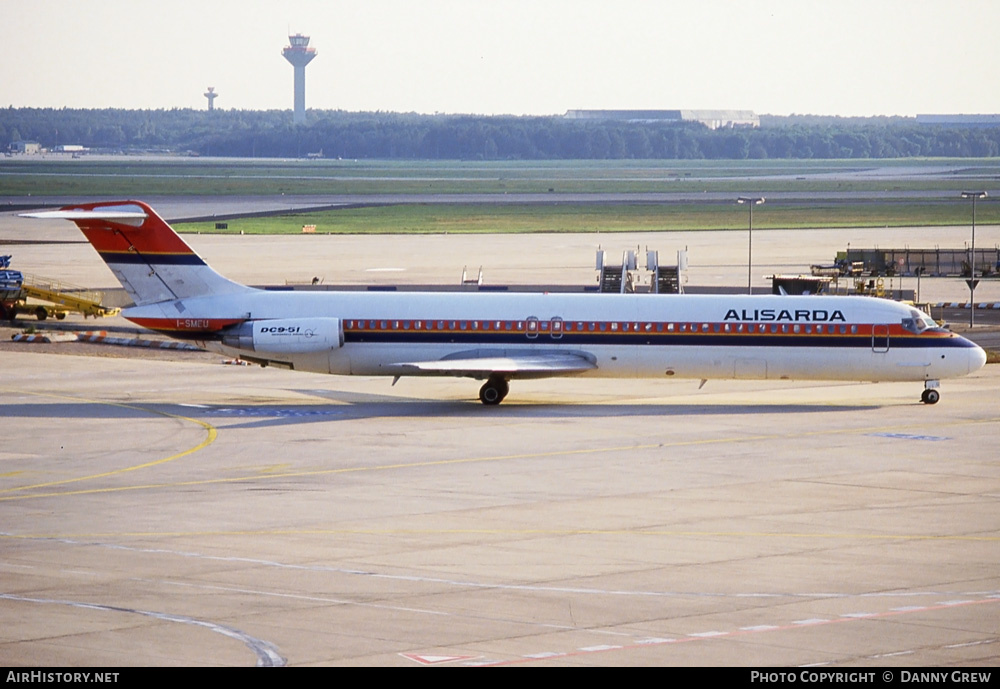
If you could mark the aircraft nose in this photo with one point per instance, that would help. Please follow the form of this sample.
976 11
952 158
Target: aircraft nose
977 358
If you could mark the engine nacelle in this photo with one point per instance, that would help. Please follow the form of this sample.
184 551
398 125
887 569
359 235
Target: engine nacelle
287 335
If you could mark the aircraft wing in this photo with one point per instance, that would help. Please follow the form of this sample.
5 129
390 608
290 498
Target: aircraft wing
509 364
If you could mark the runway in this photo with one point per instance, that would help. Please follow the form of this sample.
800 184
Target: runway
187 513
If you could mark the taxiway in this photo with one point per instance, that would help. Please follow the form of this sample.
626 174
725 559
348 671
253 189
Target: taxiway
182 512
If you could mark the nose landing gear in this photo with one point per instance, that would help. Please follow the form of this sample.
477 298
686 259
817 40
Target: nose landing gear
930 395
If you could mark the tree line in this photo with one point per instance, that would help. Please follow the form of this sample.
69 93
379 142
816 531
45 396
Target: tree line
339 134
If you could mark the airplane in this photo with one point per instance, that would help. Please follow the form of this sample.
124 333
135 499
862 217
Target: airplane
499 337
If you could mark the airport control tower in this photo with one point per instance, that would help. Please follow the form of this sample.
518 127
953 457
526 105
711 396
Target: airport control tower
211 95
299 54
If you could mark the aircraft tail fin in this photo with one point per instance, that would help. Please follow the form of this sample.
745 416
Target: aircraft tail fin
147 256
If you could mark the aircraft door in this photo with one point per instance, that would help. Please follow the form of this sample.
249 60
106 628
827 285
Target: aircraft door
531 327
880 339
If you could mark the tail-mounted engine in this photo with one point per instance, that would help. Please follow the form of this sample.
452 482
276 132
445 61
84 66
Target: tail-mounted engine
286 335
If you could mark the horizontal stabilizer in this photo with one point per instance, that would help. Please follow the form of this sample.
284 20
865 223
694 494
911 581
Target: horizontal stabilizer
106 213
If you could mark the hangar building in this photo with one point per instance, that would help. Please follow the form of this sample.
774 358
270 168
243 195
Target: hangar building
960 120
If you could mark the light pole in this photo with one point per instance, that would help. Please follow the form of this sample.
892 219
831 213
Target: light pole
972 264
750 203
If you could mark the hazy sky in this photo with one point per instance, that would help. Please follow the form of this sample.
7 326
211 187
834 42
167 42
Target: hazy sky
830 57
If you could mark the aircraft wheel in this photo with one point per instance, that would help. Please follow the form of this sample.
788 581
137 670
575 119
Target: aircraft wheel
930 396
493 391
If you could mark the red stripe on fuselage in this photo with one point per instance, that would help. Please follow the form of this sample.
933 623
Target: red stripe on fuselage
722 331
186 325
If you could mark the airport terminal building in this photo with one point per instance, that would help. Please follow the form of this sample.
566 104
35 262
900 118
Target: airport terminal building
713 119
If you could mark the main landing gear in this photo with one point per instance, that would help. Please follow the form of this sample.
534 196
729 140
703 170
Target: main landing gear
930 395
494 390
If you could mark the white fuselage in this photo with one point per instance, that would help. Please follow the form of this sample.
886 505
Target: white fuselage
502 336
635 335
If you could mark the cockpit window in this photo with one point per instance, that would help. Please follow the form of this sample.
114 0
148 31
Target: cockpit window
918 322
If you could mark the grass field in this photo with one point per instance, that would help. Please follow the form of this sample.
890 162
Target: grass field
124 175
909 192
441 218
